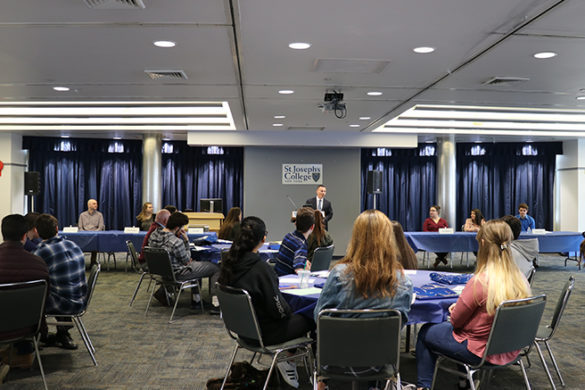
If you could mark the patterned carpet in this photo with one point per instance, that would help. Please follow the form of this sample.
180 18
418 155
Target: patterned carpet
138 352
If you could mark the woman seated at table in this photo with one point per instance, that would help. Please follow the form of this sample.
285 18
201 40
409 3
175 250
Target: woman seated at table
432 224
474 223
146 217
369 276
230 228
319 238
243 268
496 279
405 254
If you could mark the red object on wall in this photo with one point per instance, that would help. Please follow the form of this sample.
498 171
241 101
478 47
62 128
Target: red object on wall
1 166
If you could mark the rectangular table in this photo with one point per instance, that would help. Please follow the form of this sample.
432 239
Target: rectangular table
115 240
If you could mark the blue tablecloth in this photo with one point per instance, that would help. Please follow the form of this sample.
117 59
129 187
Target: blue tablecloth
115 240
421 311
465 241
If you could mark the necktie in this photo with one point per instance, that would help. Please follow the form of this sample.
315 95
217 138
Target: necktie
320 204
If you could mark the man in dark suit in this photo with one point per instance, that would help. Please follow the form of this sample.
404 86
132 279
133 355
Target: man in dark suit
320 203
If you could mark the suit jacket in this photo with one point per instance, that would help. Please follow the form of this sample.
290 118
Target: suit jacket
327 209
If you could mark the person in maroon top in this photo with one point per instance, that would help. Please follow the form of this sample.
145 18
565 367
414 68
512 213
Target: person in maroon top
432 224
160 221
18 265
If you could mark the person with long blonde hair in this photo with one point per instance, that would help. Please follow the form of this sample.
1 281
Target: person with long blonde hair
146 217
497 278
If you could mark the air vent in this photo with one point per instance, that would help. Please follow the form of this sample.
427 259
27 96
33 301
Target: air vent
166 74
114 4
505 81
306 128
349 65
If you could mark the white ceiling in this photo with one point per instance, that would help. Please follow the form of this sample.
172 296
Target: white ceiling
237 51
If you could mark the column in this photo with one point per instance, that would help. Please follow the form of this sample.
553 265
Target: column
569 203
12 174
152 170
446 176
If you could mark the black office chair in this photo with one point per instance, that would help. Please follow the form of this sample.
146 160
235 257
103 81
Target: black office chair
322 258
241 324
546 332
22 306
514 328
75 319
362 338
160 270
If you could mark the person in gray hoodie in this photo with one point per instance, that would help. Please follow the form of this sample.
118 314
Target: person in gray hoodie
524 252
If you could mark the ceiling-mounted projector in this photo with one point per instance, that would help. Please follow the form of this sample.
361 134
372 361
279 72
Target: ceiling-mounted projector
333 102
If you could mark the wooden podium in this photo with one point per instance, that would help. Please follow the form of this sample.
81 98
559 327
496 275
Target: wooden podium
213 220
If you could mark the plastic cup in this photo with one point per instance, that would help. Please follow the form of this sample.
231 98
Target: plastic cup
304 276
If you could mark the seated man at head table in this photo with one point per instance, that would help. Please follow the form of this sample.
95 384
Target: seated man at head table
526 220
91 220
174 240
67 285
18 265
292 255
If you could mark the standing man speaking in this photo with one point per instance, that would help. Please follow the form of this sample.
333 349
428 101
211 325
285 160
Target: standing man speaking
320 203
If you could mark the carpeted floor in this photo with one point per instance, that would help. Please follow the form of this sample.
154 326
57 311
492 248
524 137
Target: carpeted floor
138 352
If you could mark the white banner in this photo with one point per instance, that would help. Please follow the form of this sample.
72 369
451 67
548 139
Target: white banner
302 173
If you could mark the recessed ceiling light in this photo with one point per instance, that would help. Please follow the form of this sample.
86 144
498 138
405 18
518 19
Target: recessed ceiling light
279 116
286 91
164 43
545 54
374 93
354 125
299 45
580 97
423 49
277 124
365 118
61 89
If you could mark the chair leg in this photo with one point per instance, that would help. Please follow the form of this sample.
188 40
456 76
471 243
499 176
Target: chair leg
176 303
470 378
438 362
136 290
524 374
270 371
552 357
150 298
85 338
546 369
40 363
315 382
227 372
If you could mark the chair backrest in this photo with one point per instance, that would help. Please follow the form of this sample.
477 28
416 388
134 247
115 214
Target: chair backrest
133 253
91 282
238 313
367 338
515 324
158 262
22 306
531 274
561 304
322 258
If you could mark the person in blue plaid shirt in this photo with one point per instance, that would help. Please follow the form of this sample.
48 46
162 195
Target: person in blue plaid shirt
67 285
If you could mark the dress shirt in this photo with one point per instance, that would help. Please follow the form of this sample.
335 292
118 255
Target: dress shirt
527 222
89 221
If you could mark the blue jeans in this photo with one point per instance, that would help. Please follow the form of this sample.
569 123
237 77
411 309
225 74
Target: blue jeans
438 338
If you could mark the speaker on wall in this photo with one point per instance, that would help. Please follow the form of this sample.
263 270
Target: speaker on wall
374 182
32 183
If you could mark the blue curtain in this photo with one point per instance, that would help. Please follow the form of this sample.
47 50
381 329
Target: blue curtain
191 173
409 185
496 178
75 170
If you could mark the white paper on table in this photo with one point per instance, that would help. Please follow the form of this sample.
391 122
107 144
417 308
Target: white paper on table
222 241
304 291
413 298
458 289
321 274
410 272
200 248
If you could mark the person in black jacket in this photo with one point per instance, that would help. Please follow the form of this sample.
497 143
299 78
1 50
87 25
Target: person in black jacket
243 268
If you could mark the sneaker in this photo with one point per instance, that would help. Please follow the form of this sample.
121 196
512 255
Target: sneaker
288 371
4 368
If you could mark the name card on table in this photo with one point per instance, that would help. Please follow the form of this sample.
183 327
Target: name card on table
539 231
70 229
446 231
196 230
132 229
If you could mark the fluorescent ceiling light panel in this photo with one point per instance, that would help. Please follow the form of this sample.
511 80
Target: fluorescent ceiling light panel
299 45
375 93
545 54
61 89
164 44
286 92
423 49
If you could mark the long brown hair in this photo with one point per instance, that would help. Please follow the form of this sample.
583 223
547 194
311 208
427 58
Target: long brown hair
406 255
232 218
142 216
371 255
494 260
319 229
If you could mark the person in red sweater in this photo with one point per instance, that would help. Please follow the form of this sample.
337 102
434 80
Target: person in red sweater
432 224
159 223
497 278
